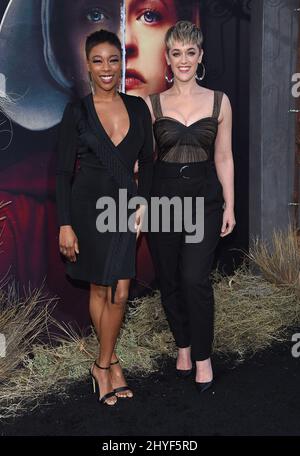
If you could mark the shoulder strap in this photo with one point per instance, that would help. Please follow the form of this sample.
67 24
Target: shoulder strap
156 106
217 103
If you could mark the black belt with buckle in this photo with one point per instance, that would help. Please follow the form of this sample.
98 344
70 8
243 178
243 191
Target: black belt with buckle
181 170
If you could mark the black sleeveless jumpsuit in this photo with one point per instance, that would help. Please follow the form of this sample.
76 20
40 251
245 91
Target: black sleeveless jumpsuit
185 167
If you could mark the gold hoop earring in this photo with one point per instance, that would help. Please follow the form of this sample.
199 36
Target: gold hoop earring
169 81
200 78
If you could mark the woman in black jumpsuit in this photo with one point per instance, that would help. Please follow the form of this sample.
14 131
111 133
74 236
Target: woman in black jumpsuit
104 259
194 159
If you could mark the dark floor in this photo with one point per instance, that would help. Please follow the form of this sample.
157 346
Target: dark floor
259 397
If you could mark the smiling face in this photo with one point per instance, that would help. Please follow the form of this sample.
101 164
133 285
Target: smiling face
104 63
184 60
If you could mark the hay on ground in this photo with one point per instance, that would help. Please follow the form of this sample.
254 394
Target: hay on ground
279 260
251 312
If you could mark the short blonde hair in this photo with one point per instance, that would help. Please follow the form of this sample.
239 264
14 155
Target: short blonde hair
185 32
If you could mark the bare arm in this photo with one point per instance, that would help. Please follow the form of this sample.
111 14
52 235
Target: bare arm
224 164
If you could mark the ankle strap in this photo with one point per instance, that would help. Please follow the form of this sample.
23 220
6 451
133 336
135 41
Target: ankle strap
114 362
100 367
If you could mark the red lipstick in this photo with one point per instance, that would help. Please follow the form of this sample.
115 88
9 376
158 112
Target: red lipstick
133 79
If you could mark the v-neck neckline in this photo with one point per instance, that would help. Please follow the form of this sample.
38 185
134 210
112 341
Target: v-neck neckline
99 123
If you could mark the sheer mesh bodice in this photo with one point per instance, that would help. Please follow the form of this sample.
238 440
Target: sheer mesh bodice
178 143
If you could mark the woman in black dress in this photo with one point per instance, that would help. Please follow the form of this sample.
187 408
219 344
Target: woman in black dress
108 131
192 128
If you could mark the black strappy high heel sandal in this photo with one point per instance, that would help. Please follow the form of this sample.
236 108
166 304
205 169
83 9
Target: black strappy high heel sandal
102 399
121 388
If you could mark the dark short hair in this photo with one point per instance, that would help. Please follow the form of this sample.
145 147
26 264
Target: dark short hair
99 37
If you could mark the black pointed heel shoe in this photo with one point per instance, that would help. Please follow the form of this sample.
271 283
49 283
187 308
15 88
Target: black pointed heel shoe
96 386
203 386
183 373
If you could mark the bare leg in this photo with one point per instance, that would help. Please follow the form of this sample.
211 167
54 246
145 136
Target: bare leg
107 318
98 302
184 361
204 371
113 318
98 299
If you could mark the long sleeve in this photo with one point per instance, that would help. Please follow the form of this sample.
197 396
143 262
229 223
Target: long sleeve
66 157
145 159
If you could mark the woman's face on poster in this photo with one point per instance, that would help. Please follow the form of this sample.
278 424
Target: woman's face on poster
146 24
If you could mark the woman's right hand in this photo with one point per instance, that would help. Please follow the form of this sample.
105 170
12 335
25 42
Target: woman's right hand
68 242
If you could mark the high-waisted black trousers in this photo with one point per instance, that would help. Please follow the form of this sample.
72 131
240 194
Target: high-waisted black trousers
183 269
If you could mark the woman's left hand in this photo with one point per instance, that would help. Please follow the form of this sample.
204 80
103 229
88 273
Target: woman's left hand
228 222
139 217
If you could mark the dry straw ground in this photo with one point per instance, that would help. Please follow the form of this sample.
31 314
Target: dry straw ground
252 310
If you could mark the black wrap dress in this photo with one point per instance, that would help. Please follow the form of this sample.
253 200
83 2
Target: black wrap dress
101 170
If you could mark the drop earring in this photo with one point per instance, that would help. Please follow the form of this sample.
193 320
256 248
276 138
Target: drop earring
91 83
169 81
121 88
200 78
